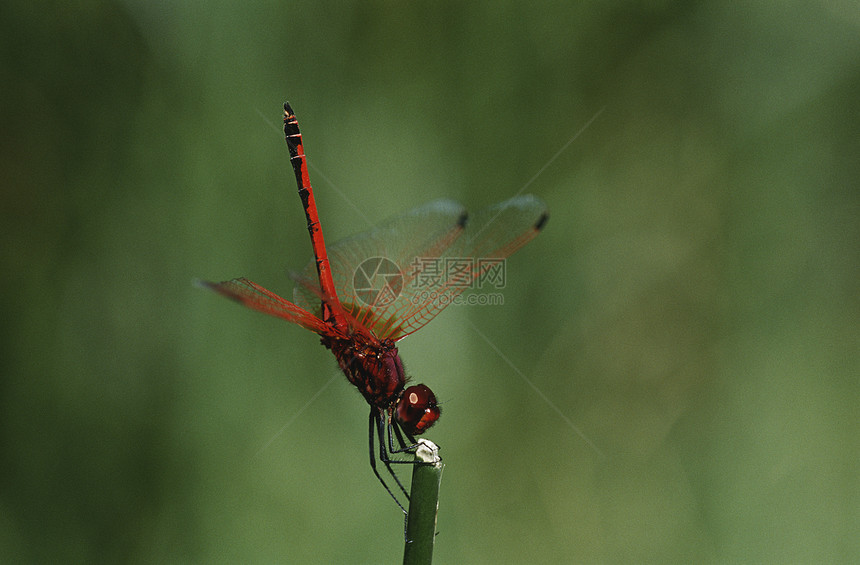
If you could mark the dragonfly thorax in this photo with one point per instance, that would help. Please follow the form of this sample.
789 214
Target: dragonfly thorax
373 366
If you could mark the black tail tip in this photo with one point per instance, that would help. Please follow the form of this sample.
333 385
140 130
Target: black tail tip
288 109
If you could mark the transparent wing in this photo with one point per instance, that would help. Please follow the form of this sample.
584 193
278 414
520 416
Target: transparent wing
375 258
395 279
473 259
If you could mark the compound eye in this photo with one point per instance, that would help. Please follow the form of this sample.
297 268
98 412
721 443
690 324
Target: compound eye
417 409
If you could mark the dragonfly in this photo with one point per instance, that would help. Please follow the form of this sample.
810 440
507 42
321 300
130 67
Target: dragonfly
365 293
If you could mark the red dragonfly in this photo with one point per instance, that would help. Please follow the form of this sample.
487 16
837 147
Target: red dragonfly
369 291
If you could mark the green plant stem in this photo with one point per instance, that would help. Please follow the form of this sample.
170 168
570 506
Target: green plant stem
423 505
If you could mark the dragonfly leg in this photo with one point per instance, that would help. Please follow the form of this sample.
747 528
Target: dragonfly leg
404 448
373 423
379 418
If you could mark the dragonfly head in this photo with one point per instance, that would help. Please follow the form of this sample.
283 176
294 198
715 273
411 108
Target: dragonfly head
417 409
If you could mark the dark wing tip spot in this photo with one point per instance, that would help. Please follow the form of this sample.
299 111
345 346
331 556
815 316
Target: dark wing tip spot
542 221
463 219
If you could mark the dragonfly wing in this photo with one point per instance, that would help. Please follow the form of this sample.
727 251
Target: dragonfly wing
368 268
473 259
254 296
395 279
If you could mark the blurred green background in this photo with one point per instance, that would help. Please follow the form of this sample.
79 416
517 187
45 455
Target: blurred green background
692 306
